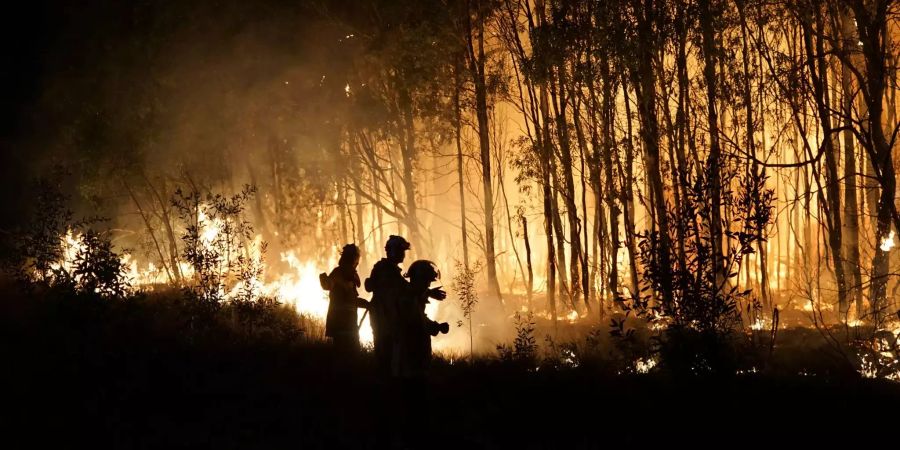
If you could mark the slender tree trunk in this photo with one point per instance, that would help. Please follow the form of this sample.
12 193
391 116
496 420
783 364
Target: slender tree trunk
851 206
509 225
565 292
360 228
167 222
477 69
568 186
529 286
457 123
343 210
553 178
600 160
832 206
871 25
677 130
626 174
548 231
546 158
408 158
764 245
714 161
751 137
377 213
611 192
644 81
583 253
150 231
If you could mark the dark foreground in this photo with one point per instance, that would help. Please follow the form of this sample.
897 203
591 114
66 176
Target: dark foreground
82 374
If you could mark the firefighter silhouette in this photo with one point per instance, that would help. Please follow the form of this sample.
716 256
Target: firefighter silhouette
342 283
389 288
412 343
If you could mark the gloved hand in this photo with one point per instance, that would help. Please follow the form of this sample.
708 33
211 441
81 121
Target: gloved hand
444 327
437 293
325 281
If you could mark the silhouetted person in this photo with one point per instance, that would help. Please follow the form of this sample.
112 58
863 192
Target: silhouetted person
412 353
412 345
387 285
341 322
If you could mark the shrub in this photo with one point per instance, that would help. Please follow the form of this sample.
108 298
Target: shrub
695 330
524 347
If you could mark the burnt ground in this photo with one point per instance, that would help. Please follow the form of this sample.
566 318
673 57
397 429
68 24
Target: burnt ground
81 373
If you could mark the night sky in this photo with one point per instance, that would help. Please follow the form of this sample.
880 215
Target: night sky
63 60
28 34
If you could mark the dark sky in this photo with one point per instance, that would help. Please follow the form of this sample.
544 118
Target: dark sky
28 31
54 47
26 35
69 65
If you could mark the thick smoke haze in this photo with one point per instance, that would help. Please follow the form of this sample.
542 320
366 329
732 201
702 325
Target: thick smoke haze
136 99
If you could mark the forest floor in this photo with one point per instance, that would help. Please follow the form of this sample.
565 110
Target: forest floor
78 373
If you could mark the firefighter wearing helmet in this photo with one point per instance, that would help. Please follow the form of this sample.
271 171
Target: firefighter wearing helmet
389 288
412 352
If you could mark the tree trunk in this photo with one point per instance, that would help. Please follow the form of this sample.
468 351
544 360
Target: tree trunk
150 231
608 148
477 69
714 160
626 174
568 186
548 230
457 124
162 201
360 221
529 286
408 157
871 25
644 81
582 260
751 143
851 205
819 73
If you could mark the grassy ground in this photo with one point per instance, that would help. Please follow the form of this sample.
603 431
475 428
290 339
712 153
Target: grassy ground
135 374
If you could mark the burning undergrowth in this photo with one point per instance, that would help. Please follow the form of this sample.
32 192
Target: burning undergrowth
221 280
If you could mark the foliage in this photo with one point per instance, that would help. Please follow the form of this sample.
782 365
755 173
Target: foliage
54 251
38 247
697 328
215 238
524 347
464 286
99 269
